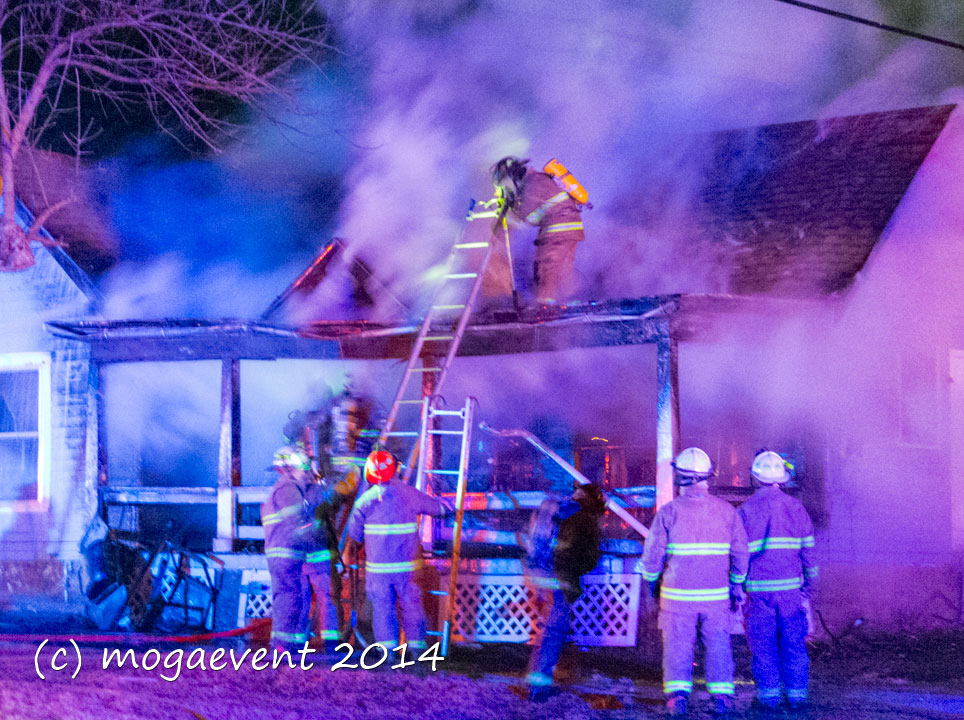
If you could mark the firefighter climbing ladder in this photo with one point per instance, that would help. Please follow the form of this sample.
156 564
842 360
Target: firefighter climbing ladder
439 335
433 426
441 331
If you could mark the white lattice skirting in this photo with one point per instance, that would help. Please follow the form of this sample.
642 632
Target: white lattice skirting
255 596
502 608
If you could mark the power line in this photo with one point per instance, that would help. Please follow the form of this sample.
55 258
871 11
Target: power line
874 23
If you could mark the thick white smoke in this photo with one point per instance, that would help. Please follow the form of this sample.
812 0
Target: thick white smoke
620 91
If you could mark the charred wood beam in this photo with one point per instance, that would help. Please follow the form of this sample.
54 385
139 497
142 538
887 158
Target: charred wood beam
212 343
667 414
229 455
100 421
210 346
310 279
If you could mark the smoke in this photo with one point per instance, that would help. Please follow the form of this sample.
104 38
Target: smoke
426 96
620 94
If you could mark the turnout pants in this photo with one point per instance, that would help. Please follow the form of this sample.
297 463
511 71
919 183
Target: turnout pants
385 592
549 648
553 268
290 603
679 637
326 584
777 638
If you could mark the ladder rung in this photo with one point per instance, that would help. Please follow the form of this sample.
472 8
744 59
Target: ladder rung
442 472
438 592
447 412
461 276
429 369
408 402
402 433
434 633
471 245
447 307
439 337
446 432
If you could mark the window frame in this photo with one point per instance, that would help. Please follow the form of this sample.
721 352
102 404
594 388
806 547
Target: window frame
39 362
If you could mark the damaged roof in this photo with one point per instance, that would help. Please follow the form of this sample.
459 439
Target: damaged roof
795 209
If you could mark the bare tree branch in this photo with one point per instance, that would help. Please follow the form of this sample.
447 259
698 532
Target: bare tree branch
180 61
38 223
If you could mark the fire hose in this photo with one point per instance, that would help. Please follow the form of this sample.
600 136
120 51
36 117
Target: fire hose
135 638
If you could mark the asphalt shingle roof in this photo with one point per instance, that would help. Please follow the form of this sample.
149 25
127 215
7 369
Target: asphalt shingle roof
795 209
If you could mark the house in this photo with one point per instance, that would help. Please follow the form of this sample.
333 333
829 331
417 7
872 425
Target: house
833 335
861 216
48 428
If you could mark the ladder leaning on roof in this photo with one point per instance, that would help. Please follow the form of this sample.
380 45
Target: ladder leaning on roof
431 414
441 330
439 335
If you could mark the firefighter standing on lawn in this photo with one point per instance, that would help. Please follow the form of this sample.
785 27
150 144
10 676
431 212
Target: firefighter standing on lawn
384 519
782 569
563 545
552 203
698 545
299 557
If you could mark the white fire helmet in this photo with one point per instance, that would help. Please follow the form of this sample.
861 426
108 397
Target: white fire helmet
691 466
769 468
291 456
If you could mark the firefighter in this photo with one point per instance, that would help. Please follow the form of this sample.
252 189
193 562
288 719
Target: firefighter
698 545
287 517
778 583
534 198
563 545
384 519
321 558
299 549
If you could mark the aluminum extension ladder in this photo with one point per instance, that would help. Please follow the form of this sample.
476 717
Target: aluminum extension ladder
433 425
439 336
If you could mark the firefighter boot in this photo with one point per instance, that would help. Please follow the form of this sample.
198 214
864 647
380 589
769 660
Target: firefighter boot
765 707
722 705
676 704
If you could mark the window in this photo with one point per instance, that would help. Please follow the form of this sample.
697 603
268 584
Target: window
24 430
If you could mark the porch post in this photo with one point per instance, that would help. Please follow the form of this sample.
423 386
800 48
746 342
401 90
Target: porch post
229 454
667 414
100 421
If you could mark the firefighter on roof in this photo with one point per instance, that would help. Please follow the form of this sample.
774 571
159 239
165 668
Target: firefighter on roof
563 545
552 201
782 569
698 546
299 556
385 519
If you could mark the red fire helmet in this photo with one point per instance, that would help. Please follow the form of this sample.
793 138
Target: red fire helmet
380 467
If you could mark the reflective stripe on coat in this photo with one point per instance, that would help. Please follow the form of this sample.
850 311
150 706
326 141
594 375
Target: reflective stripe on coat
698 545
